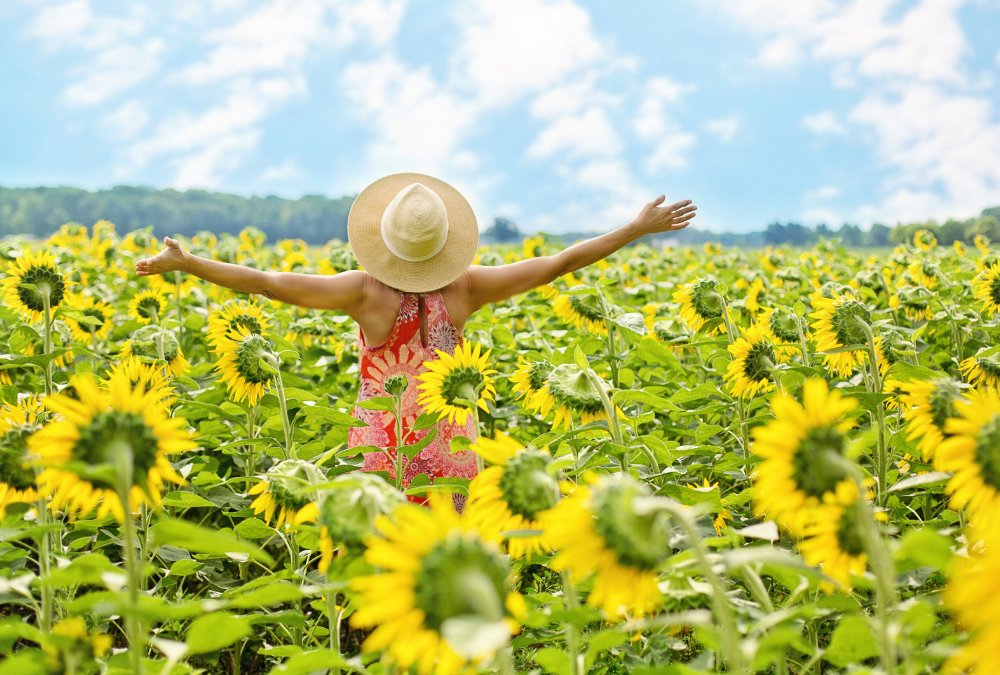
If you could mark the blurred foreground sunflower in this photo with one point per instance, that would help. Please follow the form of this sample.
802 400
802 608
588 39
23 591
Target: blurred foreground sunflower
972 452
974 578
803 450
508 496
349 505
450 378
440 577
81 452
930 403
32 277
834 537
17 479
600 531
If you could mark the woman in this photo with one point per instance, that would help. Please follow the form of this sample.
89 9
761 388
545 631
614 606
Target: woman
415 236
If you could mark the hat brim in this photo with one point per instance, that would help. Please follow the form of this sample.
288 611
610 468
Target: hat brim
364 232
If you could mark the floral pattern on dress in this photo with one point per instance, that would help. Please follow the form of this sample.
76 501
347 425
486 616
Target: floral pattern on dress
404 354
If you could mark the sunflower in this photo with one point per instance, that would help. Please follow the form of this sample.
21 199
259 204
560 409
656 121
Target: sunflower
890 348
571 392
982 370
971 579
837 326
583 312
834 537
972 452
986 287
145 376
466 375
96 425
29 277
915 301
924 240
600 531
982 242
348 508
533 247
71 649
233 313
803 449
925 273
700 303
438 572
239 365
529 377
17 480
510 495
754 296
929 404
894 390
669 336
782 327
288 488
548 292
749 373
142 344
148 306
95 309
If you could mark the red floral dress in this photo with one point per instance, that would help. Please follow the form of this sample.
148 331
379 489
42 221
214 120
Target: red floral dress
403 354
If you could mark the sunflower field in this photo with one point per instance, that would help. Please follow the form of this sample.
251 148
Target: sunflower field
718 461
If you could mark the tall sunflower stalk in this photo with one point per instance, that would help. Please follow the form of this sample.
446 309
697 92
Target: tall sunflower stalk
882 457
721 290
611 339
271 363
395 386
124 474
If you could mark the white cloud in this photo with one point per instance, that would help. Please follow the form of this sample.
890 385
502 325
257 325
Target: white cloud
73 24
114 70
588 134
724 128
286 171
671 152
127 121
653 124
823 123
821 193
935 126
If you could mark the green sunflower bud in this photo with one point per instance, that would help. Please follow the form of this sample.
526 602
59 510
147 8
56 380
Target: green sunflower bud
638 538
348 508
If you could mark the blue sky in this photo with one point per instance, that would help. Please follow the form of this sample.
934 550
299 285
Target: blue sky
563 115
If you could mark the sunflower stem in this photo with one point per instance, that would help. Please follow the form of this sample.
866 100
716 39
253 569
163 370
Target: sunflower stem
609 408
611 340
802 341
572 636
47 337
272 360
180 310
882 460
730 641
398 454
44 565
122 454
158 338
334 623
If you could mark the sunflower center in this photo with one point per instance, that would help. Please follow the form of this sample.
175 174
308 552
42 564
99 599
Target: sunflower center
148 307
815 467
942 402
144 343
45 280
850 530
587 306
570 386
109 428
759 361
637 540
458 577
988 452
13 449
93 313
248 322
526 485
784 326
248 355
995 290
462 382
846 319
538 374
705 300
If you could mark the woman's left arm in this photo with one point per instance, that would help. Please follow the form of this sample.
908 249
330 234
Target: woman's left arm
494 284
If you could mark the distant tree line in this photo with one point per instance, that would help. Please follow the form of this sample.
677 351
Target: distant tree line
318 219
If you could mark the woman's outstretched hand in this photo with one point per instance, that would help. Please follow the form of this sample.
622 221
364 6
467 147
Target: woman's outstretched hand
171 259
656 218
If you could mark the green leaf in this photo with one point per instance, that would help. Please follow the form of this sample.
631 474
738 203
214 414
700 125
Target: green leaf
22 337
266 596
412 451
425 421
852 642
183 568
212 632
76 315
691 496
184 500
310 662
602 642
331 415
460 443
387 403
264 365
925 547
253 528
553 661
580 358
706 431
199 539
929 478
653 401
907 372
633 321
799 309
700 392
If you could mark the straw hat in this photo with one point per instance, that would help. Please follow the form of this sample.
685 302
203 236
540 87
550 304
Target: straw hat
413 232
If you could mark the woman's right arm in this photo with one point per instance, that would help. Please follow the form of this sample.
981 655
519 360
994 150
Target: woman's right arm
343 291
